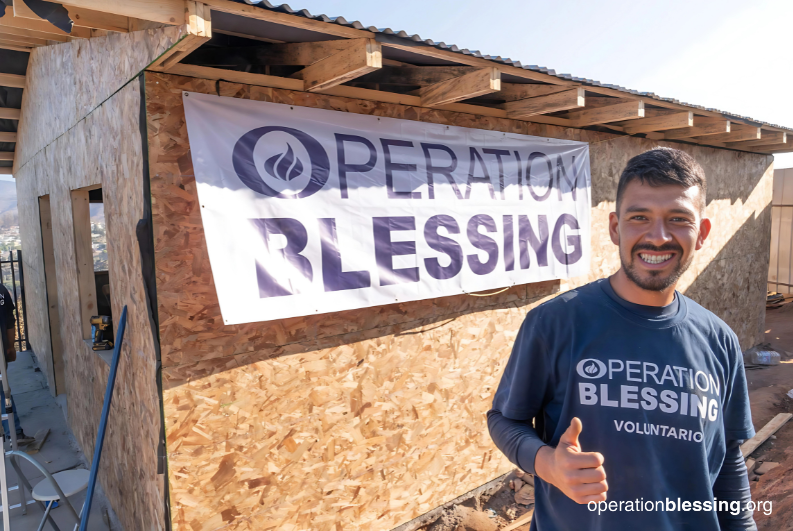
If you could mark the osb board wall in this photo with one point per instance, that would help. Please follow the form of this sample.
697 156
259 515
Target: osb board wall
103 148
366 419
67 81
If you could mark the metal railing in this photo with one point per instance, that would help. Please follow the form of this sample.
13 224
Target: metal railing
12 275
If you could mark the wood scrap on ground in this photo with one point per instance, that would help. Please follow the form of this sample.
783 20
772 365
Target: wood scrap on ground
767 431
40 437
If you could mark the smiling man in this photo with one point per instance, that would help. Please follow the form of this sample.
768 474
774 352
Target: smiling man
626 399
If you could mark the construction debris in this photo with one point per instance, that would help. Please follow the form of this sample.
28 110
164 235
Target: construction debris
762 354
767 431
767 466
38 442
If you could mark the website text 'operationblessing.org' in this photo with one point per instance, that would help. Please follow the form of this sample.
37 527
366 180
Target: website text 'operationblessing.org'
734 507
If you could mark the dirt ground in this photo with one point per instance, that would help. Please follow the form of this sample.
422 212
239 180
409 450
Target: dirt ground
768 390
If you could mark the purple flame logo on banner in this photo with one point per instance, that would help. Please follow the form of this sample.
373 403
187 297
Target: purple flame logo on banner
287 168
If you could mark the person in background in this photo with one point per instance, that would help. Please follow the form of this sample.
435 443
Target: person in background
7 308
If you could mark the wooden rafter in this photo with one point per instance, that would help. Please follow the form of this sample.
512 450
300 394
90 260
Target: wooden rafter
359 57
560 101
8 136
471 85
164 11
198 23
5 170
20 32
232 76
85 18
613 113
43 26
415 75
12 80
700 128
738 133
6 113
23 41
4 45
660 123
6 155
772 148
769 138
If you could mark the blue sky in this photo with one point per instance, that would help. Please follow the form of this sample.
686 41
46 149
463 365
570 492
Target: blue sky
731 55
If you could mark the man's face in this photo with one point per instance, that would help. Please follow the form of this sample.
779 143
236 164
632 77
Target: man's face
657 231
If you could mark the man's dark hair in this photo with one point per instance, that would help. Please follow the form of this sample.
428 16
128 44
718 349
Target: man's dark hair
663 166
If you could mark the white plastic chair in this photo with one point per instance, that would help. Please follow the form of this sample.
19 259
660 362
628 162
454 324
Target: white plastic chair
55 487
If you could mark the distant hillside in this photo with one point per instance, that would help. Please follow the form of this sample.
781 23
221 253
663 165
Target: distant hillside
8 204
8 196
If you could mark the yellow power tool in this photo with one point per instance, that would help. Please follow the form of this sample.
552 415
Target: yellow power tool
100 325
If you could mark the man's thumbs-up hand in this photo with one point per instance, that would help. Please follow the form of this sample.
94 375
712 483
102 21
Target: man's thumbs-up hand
580 475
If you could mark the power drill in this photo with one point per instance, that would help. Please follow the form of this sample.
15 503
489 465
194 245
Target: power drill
100 325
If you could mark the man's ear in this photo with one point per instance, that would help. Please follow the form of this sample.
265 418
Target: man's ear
704 230
614 229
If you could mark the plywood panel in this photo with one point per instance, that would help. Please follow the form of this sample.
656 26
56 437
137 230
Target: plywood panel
365 419
67 81
103 149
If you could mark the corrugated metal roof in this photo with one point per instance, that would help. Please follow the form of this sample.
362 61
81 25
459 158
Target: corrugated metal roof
401 34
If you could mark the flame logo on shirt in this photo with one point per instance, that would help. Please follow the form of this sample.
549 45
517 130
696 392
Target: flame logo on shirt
591 368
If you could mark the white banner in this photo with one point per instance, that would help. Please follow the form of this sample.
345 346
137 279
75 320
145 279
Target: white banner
310 211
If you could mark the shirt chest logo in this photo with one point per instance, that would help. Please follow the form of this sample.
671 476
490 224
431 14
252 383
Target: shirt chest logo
591 368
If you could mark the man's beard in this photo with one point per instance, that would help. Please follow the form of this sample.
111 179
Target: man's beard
655 282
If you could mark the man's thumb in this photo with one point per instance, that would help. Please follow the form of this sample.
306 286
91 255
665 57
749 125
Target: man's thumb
570 436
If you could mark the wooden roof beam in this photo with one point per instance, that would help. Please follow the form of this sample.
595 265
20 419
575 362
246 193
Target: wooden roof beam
198 21
630 110
163 11
701 128
20 32
5 170
23 41
12 80
359 57
5 45
233 76
561 101
769 138
81 17
8 137
6 155
42 26
477 83
415 75
7 113
738 133
660 123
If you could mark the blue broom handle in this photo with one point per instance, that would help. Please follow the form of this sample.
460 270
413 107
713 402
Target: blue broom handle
100 436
